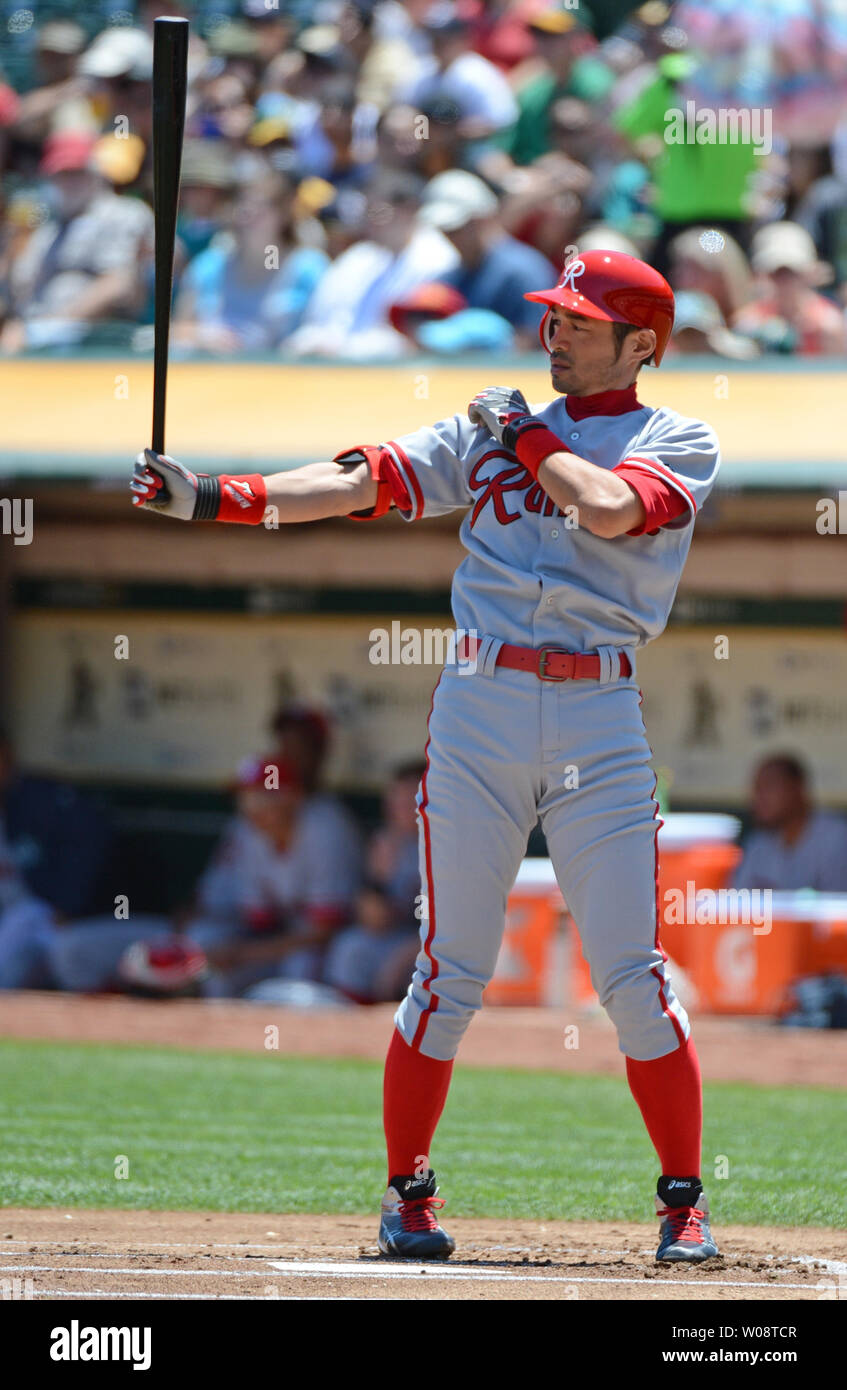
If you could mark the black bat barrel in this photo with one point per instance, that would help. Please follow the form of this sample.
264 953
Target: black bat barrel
170 81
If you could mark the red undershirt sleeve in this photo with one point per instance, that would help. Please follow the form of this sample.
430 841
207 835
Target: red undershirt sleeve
662 502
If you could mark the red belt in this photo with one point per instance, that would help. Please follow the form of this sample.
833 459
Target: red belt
547 663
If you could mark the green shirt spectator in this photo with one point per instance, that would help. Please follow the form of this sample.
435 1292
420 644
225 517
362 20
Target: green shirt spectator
693 182
530 137
567 50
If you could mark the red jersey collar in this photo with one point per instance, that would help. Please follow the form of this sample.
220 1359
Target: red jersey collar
603 403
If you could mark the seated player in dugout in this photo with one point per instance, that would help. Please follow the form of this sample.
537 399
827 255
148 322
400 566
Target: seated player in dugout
579 514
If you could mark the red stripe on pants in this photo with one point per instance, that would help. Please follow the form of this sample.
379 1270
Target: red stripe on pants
430 889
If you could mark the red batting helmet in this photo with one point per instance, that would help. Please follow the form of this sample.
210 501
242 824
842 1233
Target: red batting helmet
615 287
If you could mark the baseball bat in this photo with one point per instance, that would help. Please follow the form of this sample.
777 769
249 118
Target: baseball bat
170 81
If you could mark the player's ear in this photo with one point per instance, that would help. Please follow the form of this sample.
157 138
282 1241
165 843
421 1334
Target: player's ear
643 345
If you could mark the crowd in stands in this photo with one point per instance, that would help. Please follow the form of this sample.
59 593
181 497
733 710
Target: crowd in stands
369 179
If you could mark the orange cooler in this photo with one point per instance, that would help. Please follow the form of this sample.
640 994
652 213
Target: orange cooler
827 943
738 970
529 956
696 849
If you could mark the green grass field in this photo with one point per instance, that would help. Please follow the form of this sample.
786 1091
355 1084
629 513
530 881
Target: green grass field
235 1132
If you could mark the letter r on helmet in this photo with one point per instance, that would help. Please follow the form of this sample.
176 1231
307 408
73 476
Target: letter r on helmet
570 273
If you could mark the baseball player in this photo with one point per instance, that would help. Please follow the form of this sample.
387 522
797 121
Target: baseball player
578 517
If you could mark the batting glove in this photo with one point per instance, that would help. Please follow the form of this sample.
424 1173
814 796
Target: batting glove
506 414
496 407
162 484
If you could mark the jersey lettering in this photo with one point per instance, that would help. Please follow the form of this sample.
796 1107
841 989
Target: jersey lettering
514 478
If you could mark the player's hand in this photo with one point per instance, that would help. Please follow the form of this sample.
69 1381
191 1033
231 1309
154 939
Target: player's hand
162 484
496 407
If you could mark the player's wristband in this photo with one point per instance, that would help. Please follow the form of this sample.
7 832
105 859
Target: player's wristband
240 498
529 439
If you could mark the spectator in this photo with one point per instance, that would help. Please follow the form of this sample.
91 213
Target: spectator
500 32
59 97
276 888
249 290
236 51
458 74
822 210
564 48
378 56
805 165
617 187
347 315
272 28
791 316
599 236
83 265
544 205
339 143
400 144
494 269
373 960
695 183
224 110
336 217
699 328
711 263
792 845
205 189
117 69
54 845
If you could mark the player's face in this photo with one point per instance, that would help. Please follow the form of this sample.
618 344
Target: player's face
272 813
295 744
583 356
400 807
788 288
774 797
467 239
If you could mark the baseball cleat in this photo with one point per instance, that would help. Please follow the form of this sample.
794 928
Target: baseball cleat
408 1228
684 1233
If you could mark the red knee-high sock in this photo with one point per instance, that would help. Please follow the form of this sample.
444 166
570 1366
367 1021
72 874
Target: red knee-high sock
414 1092
669 1095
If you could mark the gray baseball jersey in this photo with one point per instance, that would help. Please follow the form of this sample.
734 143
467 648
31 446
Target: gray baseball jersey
506 748
531 575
